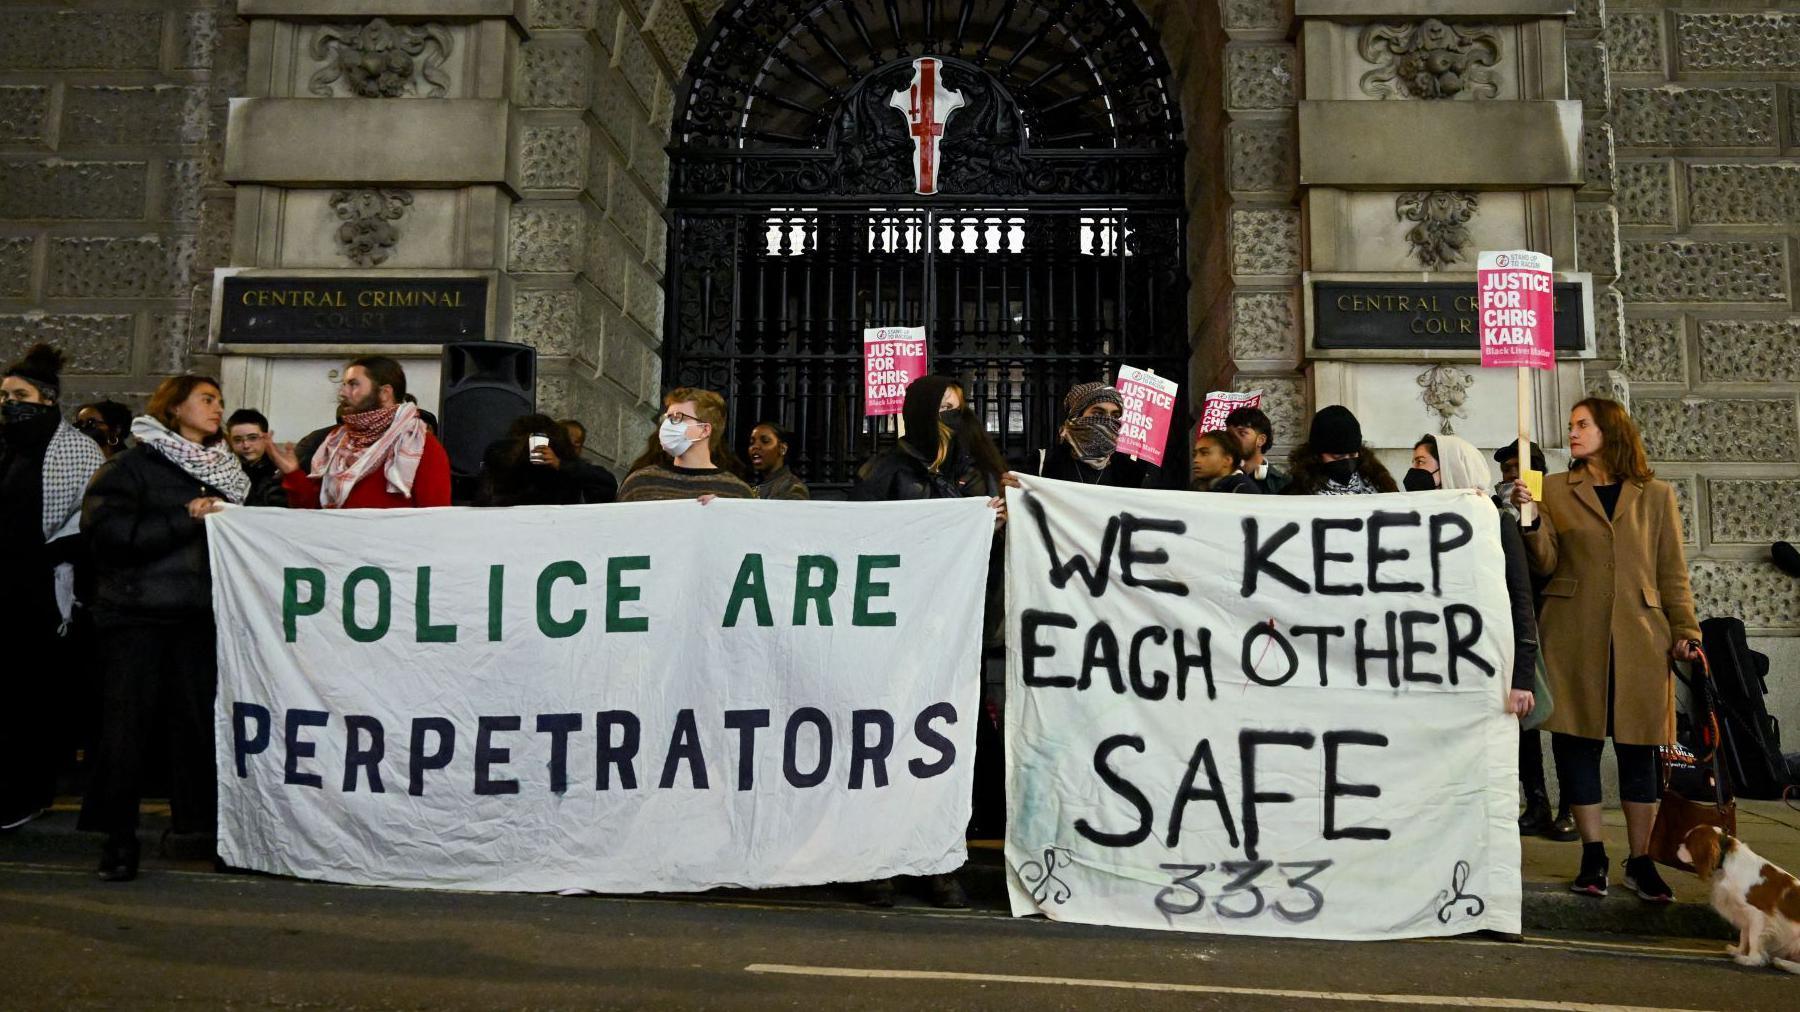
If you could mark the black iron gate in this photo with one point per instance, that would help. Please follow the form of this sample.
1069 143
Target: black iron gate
1053 253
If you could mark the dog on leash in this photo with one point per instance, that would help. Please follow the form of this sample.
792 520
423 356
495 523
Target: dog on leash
1759 899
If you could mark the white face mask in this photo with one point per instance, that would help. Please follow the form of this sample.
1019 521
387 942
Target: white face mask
674 438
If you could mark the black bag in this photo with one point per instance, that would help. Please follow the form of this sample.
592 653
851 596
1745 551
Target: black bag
1750 739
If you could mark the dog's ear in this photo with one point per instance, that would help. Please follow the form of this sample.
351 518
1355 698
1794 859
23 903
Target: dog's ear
1702 849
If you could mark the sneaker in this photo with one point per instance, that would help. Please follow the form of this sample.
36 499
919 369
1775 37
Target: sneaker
1592 879
1642 878
1535 820
947 893
16 819
1563 829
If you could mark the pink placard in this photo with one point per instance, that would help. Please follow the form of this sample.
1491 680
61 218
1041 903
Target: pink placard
1516 302
1219 404
1149 406
892 358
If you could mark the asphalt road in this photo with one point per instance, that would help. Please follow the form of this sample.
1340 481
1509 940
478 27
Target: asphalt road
182 936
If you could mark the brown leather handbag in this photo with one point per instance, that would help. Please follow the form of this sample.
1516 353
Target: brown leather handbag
1688 778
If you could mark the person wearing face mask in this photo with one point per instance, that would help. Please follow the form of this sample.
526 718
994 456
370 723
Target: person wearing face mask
153 614
1218 464
106 423
45 464
688 457
769 444
1088 439
1334 460
1423 475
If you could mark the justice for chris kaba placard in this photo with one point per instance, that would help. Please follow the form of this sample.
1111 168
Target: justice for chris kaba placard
1260 715
655 696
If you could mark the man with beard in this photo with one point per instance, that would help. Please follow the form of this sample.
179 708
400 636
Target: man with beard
248 431
45 465
1088 440
379 456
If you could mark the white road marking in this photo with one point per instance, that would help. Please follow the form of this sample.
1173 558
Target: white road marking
1463 1001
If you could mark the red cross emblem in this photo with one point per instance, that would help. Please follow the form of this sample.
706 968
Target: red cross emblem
927 106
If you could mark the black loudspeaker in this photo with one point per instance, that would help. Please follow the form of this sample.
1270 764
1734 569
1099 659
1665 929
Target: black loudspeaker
485 386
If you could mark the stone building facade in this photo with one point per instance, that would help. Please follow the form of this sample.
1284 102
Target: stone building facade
1652 148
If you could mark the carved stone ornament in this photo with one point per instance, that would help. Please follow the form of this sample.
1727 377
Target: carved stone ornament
368 234
1440 236
1446 387
1430 59
381 60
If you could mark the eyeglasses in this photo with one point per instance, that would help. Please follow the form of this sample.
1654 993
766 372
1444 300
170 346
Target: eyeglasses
680 419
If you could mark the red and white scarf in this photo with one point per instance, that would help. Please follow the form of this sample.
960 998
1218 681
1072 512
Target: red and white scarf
389 439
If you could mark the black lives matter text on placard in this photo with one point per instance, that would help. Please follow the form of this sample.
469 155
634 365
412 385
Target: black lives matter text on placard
260 309
1432 315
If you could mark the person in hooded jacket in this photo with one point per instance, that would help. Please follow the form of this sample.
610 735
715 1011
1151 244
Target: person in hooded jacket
1088 441
45 465
514 472
153 613
1219 463
1334 460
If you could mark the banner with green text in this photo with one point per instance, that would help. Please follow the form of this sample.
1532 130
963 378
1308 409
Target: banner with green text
1271 715
627 698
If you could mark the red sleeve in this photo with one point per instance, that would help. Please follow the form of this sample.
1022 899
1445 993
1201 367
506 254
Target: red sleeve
431 484
302 490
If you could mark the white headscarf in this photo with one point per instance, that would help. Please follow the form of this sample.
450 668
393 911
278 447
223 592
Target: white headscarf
1461 465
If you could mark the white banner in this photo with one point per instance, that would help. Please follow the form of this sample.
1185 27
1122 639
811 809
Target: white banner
656 696
1260 715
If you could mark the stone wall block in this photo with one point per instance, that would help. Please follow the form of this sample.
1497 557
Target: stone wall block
606 260
72 190
1764 597
1750 351
24 112
129 267
1766 42
1264 327
634 63
617 110
554 73
1754 512
1646 193
1634 42
1597 158
545 238
1609 323
1262 158
184 181
1652 351
198 40
148 115
630 210
1597 240
1685 500
548 319
1763 194
1710 430
1676 116
1590 17
15 265
169 343
80 40
1608 383
1256 15
668 28
1265 241
95 343
553 156
561 14
1284 401
1678 270
644 298
1259 77
1589 80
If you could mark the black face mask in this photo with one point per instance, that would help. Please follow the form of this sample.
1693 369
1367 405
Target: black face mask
1341 471
1418 480
24 412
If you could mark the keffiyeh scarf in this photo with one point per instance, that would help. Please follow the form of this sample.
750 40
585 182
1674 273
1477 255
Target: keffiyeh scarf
391 440
69 463
213 465
1357 485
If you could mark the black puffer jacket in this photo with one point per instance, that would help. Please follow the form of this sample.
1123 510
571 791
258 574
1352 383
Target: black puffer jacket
149 556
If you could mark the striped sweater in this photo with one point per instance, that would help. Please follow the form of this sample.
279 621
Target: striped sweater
660 482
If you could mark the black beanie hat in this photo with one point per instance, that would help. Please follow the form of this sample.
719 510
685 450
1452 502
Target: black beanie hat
1335 430
42 368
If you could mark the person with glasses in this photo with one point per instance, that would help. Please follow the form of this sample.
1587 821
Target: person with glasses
688 456
247 431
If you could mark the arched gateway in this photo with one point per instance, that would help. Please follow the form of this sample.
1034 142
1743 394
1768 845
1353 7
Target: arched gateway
1027 211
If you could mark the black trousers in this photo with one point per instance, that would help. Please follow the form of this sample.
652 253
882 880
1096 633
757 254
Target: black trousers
31 679
157 687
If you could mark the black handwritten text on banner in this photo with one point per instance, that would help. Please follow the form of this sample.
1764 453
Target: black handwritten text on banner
1262 715
658 696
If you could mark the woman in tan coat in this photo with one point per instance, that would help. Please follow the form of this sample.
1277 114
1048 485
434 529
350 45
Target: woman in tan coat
1616 607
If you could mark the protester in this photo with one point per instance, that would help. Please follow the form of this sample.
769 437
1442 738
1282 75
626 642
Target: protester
536 465
106 423
1457 464
247 431
1423 475
1256 437
44 466
1218 463
1538 819
380 455
1617 607
577 434
1086 445
153 613
688 456
1334 460
768 459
